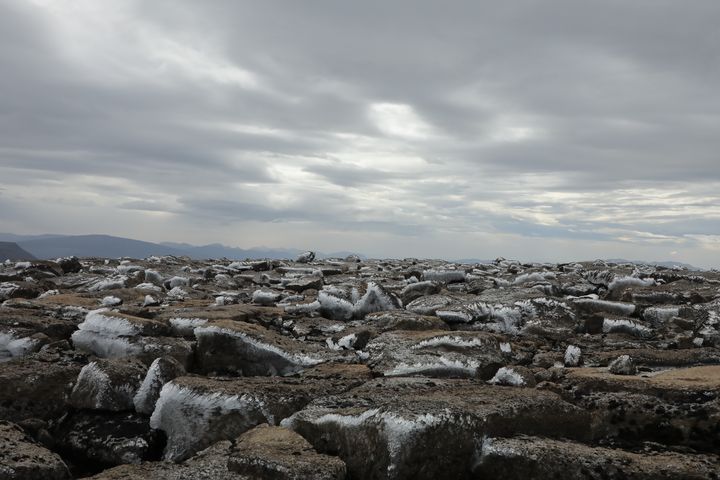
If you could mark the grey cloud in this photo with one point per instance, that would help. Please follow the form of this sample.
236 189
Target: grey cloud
536 118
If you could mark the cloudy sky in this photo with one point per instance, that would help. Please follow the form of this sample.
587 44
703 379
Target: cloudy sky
532 129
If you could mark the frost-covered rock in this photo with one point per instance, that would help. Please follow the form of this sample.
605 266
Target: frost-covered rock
305 283
305 257
13 345
108 385
111 283
573 356
149 301
419 289
375 299
623 365
533 277
177 293
604 306
176 281
161 371
389 428
7 289
111 335
404 320
111 301
513 377
186 326
444 276
658 316
148 287
238 347
154 277
335 307
627 326
266 297
437 354
195 412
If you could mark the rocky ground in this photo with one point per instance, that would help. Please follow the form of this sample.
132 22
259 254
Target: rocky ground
168 368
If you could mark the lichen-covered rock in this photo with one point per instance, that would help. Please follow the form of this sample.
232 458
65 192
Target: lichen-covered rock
23 459
279 453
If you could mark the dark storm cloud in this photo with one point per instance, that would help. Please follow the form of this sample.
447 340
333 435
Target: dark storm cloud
546 119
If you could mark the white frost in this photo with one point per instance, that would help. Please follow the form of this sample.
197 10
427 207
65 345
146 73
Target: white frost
507 376
185 326
572 356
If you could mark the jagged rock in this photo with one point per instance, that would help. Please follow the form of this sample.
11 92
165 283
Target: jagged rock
389 428
546 459
108 385
161 371
419 289
194 412
23 459
278 453
246 349
106 439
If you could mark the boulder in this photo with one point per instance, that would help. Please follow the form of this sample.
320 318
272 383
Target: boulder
23 459
278 453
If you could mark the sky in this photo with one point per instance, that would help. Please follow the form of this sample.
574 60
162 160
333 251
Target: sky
547 130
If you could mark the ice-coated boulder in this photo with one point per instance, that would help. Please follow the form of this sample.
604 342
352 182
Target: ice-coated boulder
247 349
194 412
435 354
161 371
108 385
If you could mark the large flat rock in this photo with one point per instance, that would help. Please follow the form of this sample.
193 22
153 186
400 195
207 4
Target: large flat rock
388 428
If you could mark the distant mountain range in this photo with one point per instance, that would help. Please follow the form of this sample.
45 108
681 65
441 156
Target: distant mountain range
55 246
12 251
